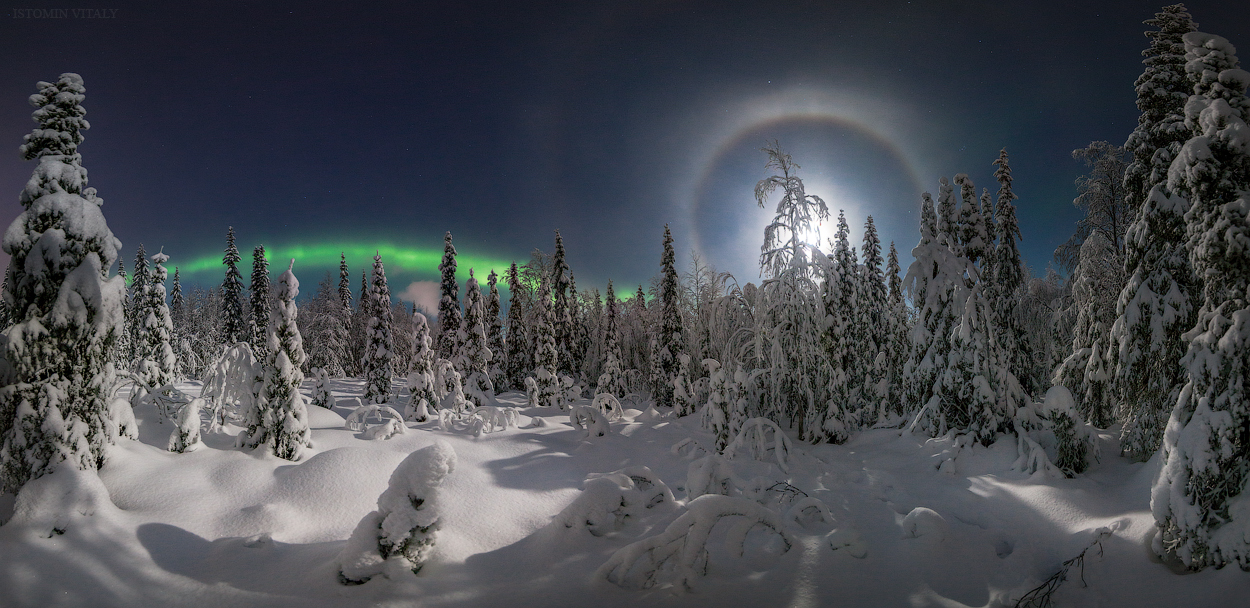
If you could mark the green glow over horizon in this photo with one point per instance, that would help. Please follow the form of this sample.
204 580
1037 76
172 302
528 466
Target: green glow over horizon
399 260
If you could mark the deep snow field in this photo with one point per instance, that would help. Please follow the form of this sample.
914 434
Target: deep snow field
227 527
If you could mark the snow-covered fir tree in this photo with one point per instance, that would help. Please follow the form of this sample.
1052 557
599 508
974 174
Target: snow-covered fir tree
121 347
896 345
259 319
281 417
377 359
138 299
154 361
474 349
1156 305
612 380
517 357
1006 285
974 230
669 340
845 335
325 320
871 314
494 331
177 304
935 282
421 372
56 410
1094 283
233 325
546 356
449 319
1200 495
561 308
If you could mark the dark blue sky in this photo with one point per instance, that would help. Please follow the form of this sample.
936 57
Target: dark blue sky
372 123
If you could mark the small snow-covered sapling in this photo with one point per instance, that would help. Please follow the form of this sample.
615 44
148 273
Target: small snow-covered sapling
400 535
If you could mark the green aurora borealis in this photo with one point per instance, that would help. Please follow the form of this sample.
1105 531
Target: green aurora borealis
403 264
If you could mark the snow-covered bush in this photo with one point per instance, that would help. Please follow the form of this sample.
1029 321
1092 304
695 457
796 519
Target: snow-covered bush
452 398
400 535
808 510
591 421
491 418
386 422
754 440
607 501
711 474
186 437
927 524
321 395
680 553
234 380
609 405
1052 436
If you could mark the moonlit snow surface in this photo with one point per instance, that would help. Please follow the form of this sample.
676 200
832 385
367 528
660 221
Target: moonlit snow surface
221 526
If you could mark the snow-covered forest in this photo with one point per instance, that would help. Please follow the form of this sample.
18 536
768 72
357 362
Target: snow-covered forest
855 426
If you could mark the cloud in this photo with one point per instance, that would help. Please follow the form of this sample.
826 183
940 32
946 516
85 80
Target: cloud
424 294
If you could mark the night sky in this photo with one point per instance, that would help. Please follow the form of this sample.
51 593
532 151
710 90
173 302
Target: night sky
368 126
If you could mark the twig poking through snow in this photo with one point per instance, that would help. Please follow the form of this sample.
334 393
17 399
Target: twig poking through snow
1041 596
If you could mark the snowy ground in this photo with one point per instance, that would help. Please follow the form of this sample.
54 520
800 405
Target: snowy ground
226 527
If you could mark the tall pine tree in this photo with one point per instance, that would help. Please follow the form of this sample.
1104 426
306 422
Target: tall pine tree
1156 305
1200 495
377 360
449 319
233 327
63 301
260 302
670 340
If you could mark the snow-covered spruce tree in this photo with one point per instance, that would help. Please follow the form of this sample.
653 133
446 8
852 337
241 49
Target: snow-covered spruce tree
177 306
1095 282
138 301
845 336
936 283
121 356
474 350
669 339
494 331
579 333
449 319
896 345
1007 283
233 325
259 319
612 380
376 361
62 301
974 234
517 358
154 361
327 330
280 418
561 309
1200 495
546 357
400 535
1156 305
871 312
421 373
790 312
1162 90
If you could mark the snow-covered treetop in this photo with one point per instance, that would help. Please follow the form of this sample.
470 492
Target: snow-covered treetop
288 285
60 116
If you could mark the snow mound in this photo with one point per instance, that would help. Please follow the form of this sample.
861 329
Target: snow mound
609 501
927 524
